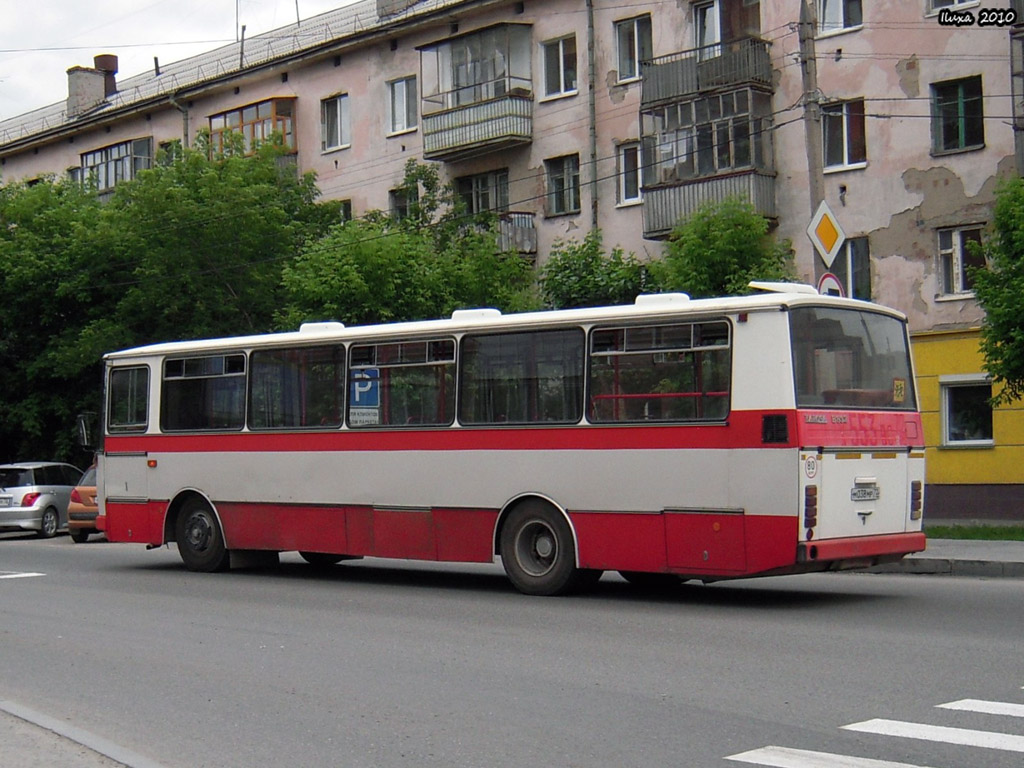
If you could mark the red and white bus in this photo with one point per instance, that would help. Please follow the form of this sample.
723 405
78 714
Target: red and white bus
669 439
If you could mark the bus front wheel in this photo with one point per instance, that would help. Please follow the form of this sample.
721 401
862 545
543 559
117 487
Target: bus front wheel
538 553
200 539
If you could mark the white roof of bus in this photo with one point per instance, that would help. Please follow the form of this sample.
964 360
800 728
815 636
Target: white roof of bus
652 306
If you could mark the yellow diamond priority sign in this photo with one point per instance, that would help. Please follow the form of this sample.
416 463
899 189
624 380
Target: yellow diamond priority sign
826 234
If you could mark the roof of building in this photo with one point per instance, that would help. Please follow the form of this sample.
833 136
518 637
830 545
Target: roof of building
305 35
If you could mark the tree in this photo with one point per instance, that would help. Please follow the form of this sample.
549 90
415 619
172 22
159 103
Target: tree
580 274
720 249
193 247
385 267
999 289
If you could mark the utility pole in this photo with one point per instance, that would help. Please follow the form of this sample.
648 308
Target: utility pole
812 110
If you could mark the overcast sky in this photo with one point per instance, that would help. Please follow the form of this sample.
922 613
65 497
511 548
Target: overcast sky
41 39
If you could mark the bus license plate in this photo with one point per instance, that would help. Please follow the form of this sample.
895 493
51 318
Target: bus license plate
865 493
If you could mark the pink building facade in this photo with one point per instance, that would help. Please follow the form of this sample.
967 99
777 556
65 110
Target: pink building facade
570 115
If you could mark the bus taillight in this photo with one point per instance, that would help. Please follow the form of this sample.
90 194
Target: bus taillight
810 508
916 500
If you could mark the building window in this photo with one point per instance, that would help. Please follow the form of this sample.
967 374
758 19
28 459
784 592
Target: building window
843 134
852 267
956 257
966 410
335 123
629 173
835 15
111 165
563 185
936 5
256 123
402 201
345 210
957 118
633 40
402 112
560 66
715 134
707 29
484 191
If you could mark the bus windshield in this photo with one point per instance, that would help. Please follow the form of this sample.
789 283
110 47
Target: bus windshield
849 358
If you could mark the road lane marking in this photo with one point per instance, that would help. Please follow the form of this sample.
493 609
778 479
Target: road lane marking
17 575
961 736
784 757
986 707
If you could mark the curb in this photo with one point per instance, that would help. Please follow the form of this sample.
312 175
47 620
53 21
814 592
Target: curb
942 566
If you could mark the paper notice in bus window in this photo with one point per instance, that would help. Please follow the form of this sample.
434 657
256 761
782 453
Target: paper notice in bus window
899 390
363 417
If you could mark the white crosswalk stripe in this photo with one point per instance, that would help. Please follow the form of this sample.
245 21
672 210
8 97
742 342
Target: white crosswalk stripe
16 575
986 707
960 736
784 757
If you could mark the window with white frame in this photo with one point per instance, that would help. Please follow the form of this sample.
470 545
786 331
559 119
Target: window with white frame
634 44
966 410
843 135
959 251
402 108
937 5
629 173
852 267
335 123
111 165
560 66
834 15
563 176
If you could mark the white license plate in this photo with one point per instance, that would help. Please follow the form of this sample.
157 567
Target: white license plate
865 493
5 501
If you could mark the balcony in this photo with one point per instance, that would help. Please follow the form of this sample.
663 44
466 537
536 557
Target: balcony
725 65
516 232
666 204
479 126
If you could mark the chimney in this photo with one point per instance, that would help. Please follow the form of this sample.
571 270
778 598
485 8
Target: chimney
88 88
107 64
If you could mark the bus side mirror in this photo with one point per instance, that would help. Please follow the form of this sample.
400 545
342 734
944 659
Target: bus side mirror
85 430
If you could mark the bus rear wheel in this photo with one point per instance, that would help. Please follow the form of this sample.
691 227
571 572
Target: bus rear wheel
538 553
200 539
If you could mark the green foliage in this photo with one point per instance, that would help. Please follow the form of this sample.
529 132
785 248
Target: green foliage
999 289
580 274
192 248
720 249
384 268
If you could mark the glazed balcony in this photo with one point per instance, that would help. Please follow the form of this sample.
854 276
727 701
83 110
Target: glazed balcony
490 117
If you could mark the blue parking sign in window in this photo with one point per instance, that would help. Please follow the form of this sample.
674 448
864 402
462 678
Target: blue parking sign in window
364 388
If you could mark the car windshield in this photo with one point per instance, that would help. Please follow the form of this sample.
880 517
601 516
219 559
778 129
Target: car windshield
89 478
15 477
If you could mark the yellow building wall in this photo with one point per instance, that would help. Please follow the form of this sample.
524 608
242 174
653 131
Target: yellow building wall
944 353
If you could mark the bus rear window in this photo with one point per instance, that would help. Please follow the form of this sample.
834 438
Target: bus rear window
850 358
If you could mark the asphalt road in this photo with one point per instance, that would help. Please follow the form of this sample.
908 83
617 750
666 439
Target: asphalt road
409 664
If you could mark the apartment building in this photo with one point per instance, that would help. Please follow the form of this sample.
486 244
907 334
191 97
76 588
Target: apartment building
897 115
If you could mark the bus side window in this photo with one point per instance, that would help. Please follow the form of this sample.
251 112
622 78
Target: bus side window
522 378
679 372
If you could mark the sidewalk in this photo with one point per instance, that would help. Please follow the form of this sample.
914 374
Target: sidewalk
963 557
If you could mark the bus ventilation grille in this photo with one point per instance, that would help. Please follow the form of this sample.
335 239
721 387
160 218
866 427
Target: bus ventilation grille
774 428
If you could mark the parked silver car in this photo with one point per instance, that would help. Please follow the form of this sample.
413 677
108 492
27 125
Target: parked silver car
34 496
